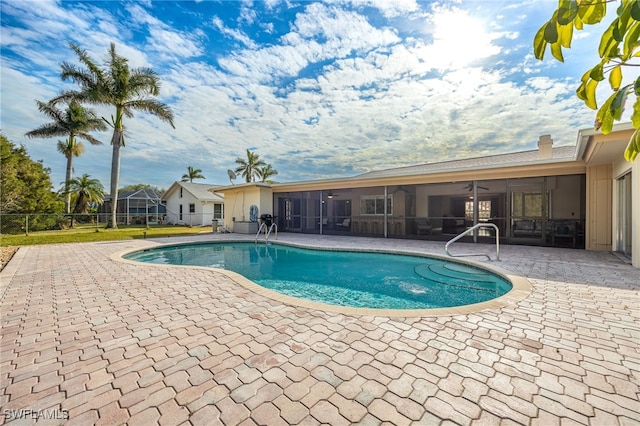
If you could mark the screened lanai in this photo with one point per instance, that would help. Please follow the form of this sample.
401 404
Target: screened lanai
548 210
135 207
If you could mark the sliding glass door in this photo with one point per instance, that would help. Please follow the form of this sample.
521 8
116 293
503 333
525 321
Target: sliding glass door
623 237
528 210
290 214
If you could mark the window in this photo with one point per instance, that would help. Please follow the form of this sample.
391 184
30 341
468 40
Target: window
484 210
218 212
374 205
180 215
527 204
192 208
180 192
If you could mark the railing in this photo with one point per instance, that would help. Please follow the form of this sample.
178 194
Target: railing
24 223
15 224
473 228
267 231
273 226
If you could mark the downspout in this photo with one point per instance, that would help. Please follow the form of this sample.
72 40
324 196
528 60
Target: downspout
384 225
475 210
321 203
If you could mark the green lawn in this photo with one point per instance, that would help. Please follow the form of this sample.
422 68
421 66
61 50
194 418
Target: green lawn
87 233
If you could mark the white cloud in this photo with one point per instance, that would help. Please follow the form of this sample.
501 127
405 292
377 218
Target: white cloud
171 44
234 34
342 29
319 34
339 93
388 8
164 41
247 12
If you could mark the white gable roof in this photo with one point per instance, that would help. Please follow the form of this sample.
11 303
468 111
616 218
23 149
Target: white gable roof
201 191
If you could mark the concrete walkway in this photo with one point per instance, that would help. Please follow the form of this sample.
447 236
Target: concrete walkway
86 339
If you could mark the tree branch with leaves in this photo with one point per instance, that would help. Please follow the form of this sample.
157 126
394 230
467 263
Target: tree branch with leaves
619 48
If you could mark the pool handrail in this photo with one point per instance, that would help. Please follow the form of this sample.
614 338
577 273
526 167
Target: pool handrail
262 225
473 228
273 226
267 231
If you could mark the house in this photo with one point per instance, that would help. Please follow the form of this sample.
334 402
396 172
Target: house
135 207
583 196
194 204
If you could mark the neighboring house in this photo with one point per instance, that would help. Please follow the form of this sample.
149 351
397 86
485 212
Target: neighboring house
135 207
580 196
195 204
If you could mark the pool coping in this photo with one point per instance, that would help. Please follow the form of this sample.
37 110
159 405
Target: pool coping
521 286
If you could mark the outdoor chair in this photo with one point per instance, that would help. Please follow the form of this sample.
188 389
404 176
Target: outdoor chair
345 224
423 226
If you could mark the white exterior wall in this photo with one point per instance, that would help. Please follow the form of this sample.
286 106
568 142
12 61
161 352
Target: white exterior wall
238 201
201 217
204 213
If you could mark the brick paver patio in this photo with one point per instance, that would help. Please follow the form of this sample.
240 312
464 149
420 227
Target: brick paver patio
91 340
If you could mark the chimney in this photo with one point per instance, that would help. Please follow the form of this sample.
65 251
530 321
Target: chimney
545 146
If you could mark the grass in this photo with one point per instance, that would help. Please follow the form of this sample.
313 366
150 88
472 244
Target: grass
89 233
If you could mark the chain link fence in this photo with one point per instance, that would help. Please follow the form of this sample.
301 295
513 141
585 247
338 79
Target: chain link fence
13 224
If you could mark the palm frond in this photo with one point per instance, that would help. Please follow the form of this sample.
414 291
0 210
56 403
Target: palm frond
69 149
87 137
49 109
144 81
83 57
47 131
154 107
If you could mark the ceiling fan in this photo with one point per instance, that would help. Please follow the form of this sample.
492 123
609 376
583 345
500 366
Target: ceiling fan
470 187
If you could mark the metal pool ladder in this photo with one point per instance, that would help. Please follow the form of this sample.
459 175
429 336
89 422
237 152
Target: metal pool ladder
474 227
264 226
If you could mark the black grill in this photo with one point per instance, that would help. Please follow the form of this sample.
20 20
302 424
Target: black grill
267 219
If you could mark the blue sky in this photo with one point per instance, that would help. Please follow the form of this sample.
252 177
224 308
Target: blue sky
317 89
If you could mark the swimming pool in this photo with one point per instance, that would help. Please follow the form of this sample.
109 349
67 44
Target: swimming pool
343 278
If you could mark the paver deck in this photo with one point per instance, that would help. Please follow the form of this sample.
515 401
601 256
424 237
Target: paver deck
86 339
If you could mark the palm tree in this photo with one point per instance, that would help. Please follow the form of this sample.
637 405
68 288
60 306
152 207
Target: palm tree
127 89
192 174
266 172
75 122
84 191
248 168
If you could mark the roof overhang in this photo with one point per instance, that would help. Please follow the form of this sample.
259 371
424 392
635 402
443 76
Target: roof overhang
241 186
531 169
596 148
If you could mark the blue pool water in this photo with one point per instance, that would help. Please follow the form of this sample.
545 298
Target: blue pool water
356 279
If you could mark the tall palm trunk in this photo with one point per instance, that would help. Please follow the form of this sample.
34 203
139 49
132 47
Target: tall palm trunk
68 176
116 141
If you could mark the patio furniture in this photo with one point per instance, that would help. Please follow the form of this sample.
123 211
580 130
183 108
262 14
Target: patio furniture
423 226
344 225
